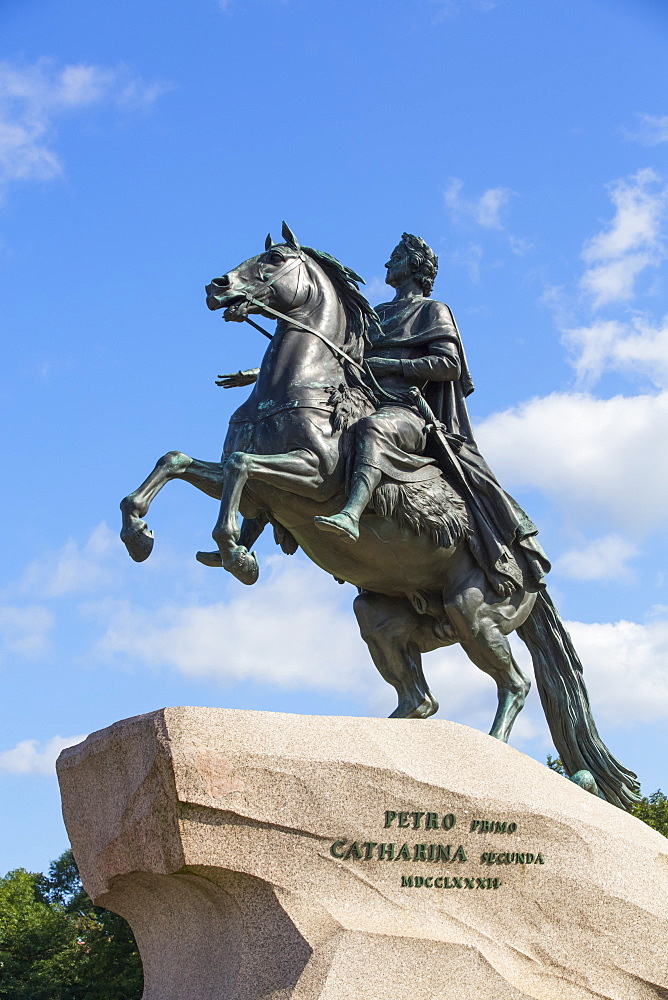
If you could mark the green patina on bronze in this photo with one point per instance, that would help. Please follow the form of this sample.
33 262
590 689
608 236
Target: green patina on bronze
355 444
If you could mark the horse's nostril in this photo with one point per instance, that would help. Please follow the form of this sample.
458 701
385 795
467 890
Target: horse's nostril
222 282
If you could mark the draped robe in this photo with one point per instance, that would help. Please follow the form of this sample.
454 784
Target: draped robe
422 334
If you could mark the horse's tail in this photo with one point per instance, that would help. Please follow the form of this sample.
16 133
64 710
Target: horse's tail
565 702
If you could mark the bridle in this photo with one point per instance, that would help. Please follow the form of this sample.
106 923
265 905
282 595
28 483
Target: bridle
363 370
290 265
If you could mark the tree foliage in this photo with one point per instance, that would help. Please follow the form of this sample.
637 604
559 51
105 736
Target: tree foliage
56 945
555 764
652 809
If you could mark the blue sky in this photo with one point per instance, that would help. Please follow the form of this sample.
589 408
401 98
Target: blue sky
145 148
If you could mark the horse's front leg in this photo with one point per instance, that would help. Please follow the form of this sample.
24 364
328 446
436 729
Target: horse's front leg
206 476
293 471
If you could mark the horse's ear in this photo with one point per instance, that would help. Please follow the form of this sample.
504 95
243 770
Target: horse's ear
268 242
289 236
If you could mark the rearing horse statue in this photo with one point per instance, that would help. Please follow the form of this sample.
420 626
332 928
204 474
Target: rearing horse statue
284 463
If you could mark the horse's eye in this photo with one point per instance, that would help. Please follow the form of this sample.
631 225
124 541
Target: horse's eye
275 258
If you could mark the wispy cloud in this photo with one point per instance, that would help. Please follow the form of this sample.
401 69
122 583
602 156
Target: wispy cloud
633 241
601 559
634 346
487 211
24 630
30 757
33 97
75 568
651 130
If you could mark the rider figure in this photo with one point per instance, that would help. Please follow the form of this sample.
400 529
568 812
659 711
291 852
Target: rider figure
418 344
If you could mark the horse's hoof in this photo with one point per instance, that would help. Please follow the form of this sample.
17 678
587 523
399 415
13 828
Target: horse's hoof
427 707
243 565
138 540
209 558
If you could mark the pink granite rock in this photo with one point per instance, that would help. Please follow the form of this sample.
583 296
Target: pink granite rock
250 852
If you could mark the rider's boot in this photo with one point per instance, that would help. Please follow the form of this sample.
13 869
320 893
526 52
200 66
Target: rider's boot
346 523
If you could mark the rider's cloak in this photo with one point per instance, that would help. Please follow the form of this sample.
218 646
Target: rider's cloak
415 328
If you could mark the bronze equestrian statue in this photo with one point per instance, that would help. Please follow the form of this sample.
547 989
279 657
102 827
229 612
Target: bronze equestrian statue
355 444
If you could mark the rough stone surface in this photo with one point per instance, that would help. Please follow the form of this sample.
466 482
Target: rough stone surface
210 830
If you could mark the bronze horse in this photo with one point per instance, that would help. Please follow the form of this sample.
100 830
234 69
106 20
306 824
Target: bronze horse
284 462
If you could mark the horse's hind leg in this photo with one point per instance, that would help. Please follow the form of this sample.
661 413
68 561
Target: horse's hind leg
476 625
206 476
396 635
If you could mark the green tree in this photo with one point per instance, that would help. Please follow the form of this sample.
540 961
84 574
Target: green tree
555 764
653 810
38 944
56 945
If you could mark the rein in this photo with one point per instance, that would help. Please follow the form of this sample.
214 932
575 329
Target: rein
364 368
301 326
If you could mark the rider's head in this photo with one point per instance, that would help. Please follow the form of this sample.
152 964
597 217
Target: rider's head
421 259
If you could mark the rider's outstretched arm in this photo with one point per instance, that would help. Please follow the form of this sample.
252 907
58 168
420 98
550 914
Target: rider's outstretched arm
236 379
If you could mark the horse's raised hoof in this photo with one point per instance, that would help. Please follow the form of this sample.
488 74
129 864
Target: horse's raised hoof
209 559
243 565
137 539
343 525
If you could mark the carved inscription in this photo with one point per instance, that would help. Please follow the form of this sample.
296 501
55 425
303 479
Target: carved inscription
435 852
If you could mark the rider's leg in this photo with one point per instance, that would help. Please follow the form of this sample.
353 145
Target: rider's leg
391 433
396 635
205 476
346 523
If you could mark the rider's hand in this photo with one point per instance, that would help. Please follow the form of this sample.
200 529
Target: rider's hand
236 379
384 366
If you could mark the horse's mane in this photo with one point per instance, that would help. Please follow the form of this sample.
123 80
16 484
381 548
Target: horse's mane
359 313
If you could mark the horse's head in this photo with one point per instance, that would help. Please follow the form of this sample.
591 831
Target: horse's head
278 278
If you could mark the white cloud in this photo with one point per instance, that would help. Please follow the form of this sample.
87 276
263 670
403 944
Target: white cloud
652 130
594 457
625 669
486 210
631 243
24 629
631 347
75 568
236 640
31 757
33 96
601 559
